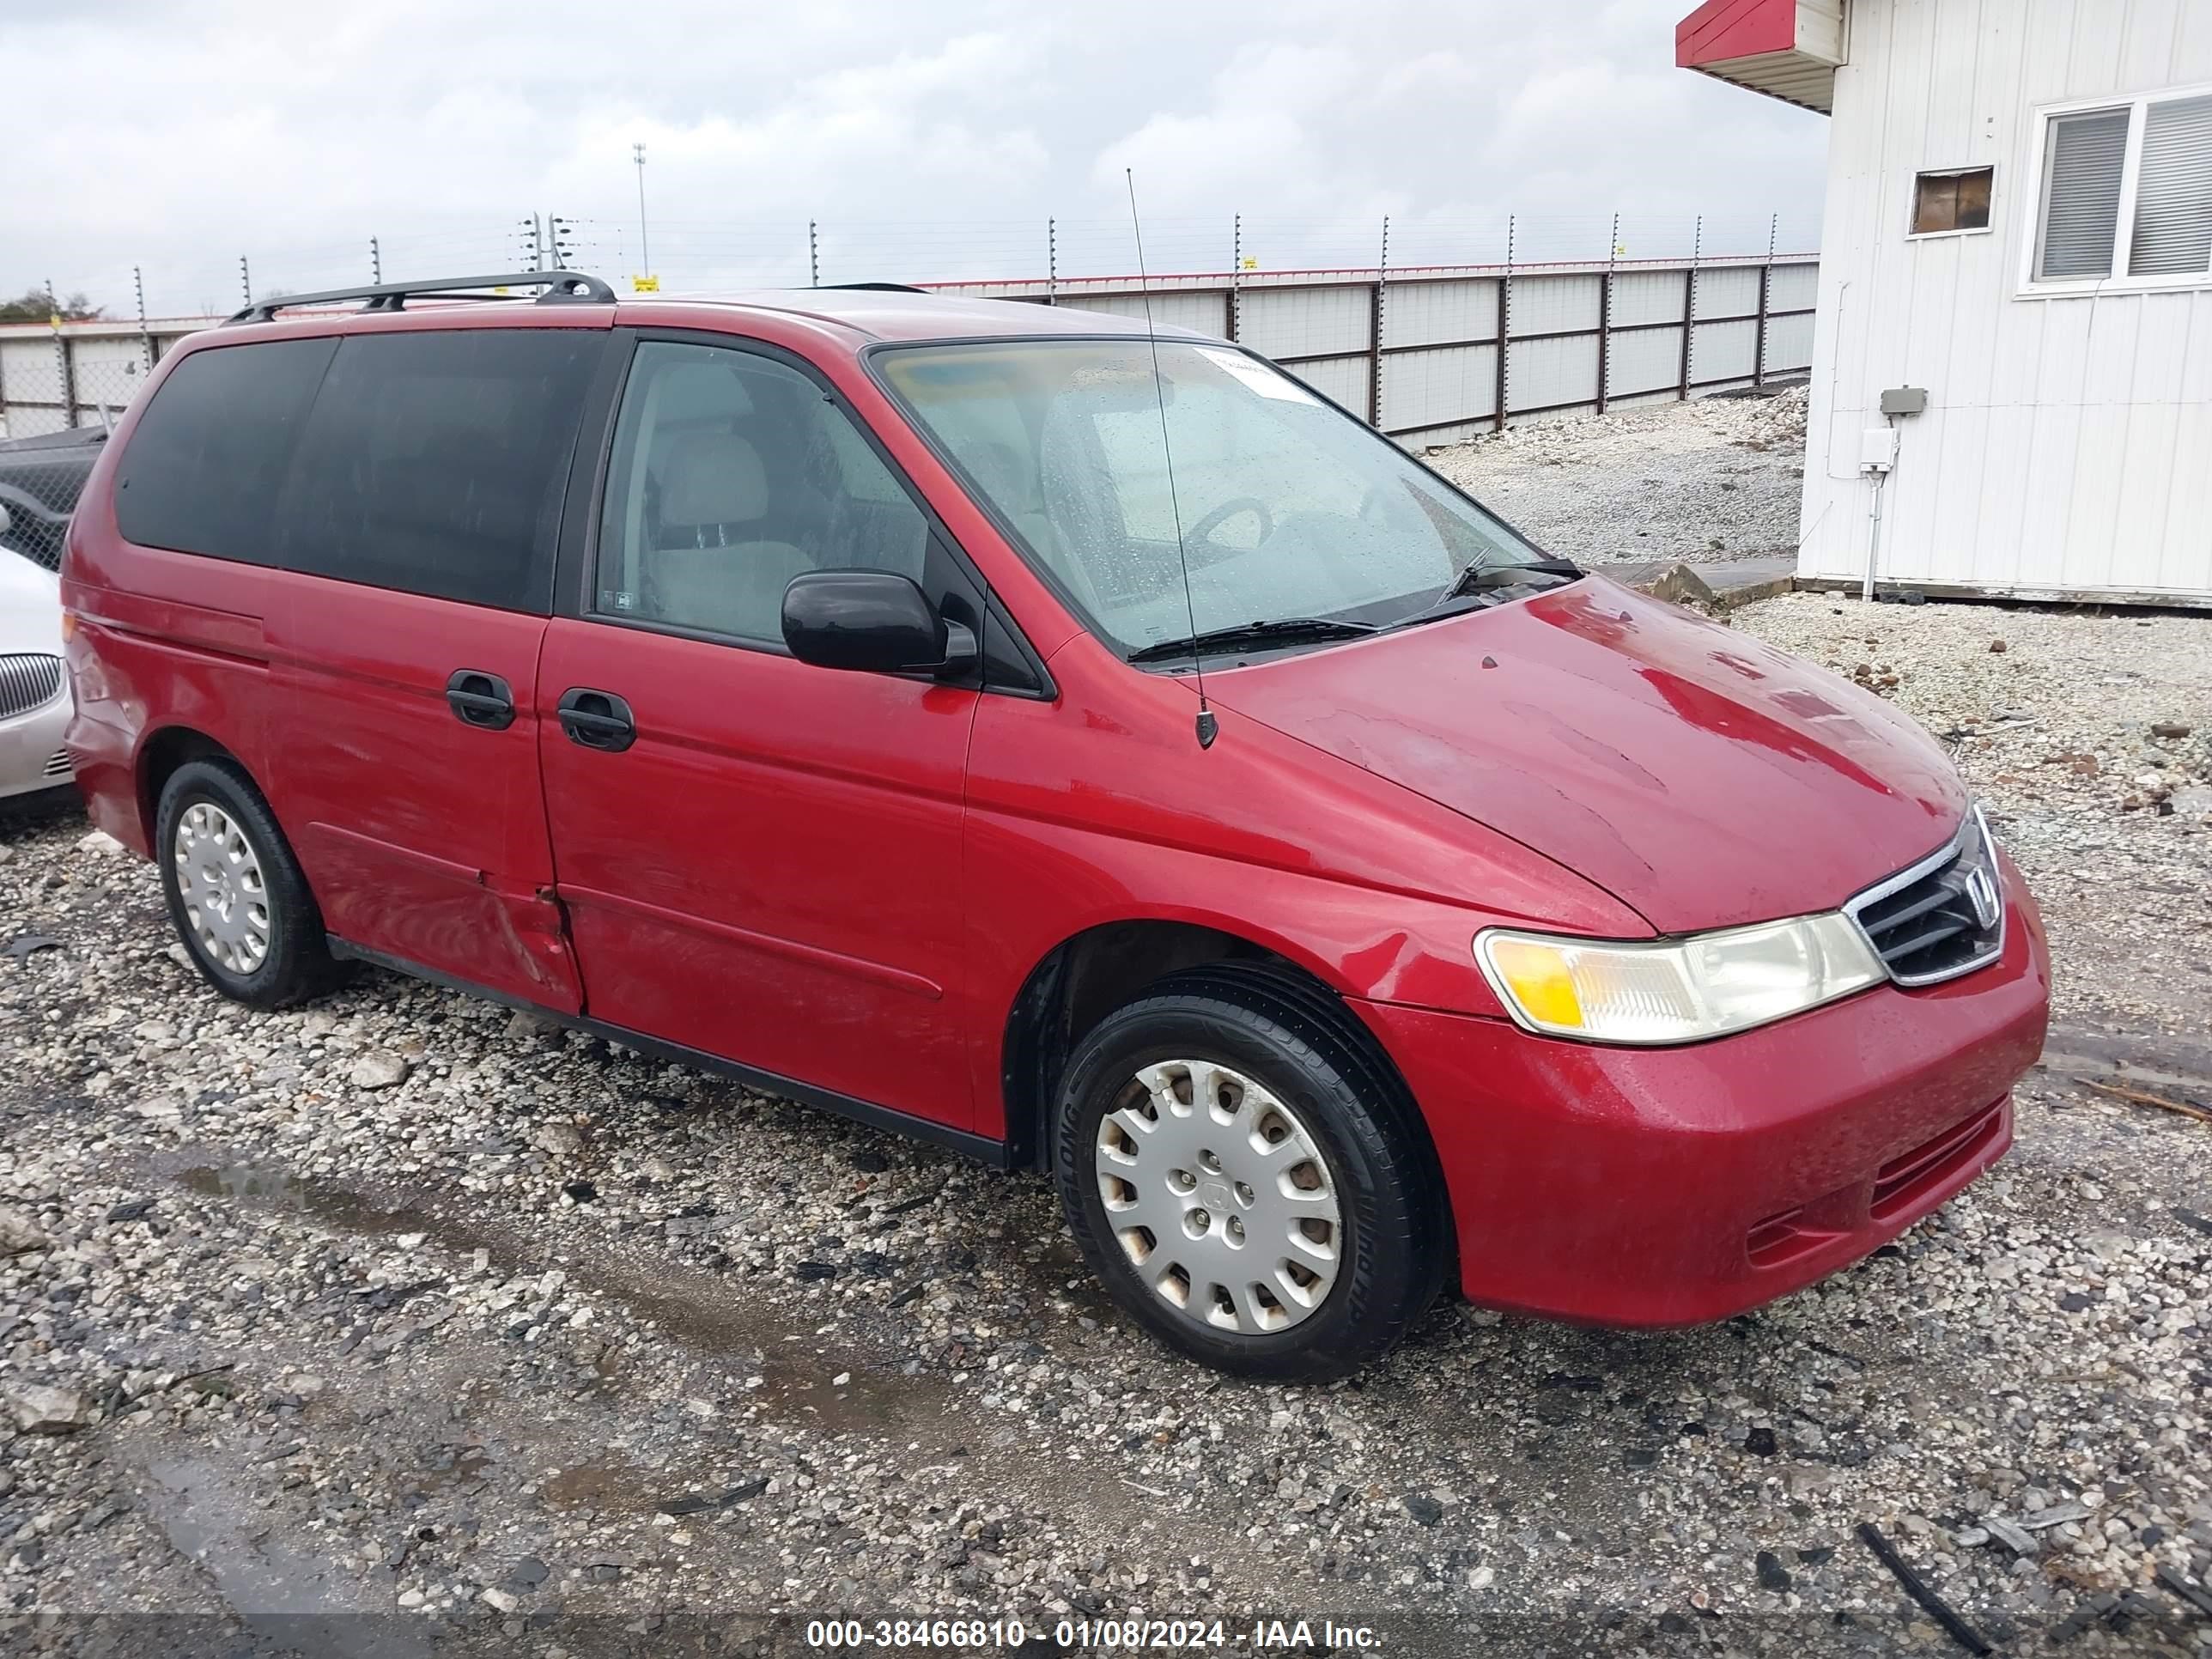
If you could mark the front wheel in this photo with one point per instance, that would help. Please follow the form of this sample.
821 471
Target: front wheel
1243 1177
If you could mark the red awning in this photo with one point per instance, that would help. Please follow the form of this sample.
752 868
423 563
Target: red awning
1787 49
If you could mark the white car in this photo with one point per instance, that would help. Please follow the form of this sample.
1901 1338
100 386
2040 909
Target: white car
34 698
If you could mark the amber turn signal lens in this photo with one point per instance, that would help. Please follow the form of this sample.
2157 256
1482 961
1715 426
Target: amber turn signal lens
1677 990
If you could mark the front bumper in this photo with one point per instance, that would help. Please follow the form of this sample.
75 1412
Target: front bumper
31 758
1675 1185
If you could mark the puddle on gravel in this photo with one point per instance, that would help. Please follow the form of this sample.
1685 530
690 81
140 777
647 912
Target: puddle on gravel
1057 1269
797 1385
258 1187
282 1595
615 1486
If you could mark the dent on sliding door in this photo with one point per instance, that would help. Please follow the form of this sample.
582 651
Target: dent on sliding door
416 540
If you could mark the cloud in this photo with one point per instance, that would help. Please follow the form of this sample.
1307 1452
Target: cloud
918 141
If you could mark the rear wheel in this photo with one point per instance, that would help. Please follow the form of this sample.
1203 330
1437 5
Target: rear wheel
236 893
1243 1175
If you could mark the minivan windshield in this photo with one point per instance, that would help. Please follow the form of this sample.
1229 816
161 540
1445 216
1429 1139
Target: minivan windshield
1289 510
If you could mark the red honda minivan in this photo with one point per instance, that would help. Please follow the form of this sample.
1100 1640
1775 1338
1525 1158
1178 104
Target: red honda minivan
1081 746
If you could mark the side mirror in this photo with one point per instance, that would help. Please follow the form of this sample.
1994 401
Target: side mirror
876 622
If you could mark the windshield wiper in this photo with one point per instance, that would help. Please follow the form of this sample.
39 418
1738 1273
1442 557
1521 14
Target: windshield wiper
1476 575
1279 630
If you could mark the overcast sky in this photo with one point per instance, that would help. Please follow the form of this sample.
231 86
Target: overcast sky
931 138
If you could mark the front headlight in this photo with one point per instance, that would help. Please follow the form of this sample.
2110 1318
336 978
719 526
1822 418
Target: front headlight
1679 990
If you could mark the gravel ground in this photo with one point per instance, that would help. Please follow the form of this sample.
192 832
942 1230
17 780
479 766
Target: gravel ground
1712 479
417 1321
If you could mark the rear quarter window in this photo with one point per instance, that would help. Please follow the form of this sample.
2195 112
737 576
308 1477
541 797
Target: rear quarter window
207 461
436 463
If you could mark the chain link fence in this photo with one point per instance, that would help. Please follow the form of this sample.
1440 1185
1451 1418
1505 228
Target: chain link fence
60 395
39 480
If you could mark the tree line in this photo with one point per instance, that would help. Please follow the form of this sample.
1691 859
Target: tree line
35 304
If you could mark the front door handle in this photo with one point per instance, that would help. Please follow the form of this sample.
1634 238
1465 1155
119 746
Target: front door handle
597 719
480 699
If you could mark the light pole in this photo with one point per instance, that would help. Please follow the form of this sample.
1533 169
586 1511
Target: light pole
644 245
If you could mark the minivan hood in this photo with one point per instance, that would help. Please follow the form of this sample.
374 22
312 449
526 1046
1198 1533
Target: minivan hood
1697 775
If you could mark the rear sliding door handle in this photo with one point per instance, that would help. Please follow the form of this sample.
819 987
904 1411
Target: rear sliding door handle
597 719
480 699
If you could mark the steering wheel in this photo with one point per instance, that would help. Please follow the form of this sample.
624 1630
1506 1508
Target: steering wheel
1204 529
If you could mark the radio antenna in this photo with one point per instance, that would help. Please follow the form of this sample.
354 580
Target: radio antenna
1208 728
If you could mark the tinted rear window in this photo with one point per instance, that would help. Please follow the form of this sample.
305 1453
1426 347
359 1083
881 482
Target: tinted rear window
207 457
436 463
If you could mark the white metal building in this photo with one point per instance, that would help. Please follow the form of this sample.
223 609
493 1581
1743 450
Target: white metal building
2019 224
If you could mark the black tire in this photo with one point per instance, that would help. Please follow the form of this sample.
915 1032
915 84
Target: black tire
298 963
1291 1038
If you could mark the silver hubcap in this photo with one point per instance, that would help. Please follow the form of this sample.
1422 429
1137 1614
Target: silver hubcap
1219 1197
219 879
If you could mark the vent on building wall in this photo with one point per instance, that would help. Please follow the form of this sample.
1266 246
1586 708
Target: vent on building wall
1957 200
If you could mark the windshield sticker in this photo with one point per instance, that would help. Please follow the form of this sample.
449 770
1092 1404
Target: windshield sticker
1261 379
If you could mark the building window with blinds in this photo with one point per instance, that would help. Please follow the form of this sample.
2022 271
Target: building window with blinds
2127 193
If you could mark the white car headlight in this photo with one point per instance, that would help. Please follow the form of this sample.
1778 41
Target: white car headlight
1676 990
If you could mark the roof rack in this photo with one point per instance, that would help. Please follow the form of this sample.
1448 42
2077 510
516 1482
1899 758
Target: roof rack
876 288
561 287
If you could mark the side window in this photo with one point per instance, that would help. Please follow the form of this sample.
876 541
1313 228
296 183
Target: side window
2084 175
207 459
732 473
434 463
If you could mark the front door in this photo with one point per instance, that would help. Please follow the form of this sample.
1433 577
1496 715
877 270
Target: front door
759 859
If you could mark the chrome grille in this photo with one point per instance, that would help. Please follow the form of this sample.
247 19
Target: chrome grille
27 681
1940 918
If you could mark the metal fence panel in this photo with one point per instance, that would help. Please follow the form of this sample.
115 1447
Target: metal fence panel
1344 378
1646 296
1724 351
1543 375
1426 313
1790 344
1206 313
1793 286
1291 322
1727 293
1425 391
1646 360
106 373
31 372
31 421
1552 305
1437 358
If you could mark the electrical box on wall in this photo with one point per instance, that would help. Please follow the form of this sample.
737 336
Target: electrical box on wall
1877 449
1904 400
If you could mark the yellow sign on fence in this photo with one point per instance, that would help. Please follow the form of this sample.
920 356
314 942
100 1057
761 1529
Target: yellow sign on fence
645 284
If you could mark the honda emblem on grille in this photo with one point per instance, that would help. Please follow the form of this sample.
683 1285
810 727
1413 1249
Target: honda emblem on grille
1982 894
